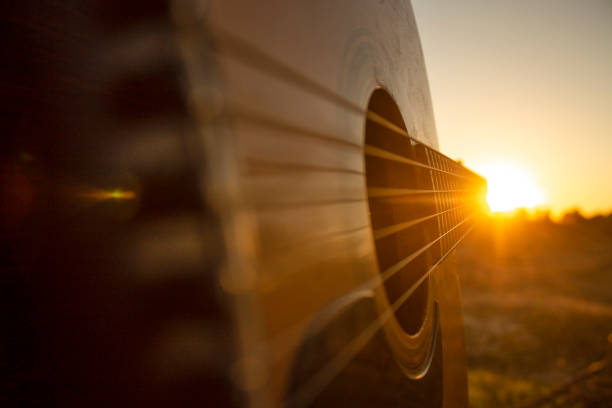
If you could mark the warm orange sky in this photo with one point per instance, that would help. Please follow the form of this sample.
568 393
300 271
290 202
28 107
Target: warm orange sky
526 82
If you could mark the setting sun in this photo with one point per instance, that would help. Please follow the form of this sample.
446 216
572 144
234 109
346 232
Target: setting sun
510 187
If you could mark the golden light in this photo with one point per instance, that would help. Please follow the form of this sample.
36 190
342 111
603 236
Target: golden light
116 194
510 187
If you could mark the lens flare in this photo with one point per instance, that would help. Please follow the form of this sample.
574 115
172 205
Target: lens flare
116 194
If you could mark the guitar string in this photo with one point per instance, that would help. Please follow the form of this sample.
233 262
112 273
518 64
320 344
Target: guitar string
378 234
264 121
374 151
368 285
280 205
392 270
372 193
255 167
392 229
250 55
269 122
323 377
377 192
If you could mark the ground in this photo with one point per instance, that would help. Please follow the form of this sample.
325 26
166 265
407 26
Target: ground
537 300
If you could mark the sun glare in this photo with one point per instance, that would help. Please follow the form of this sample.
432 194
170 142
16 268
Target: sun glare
510 187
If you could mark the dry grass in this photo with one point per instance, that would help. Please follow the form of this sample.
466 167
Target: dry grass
537 302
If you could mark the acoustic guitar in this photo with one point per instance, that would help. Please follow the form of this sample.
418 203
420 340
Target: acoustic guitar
227 203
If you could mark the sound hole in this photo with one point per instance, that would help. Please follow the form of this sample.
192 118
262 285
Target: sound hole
394 203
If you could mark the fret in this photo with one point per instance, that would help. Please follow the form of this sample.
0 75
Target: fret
453 190
377 152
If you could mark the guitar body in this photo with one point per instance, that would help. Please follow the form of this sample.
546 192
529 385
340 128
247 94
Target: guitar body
217 203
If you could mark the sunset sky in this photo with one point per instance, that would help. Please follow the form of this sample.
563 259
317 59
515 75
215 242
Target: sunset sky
528 83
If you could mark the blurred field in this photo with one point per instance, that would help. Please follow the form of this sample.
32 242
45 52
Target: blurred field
537 301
